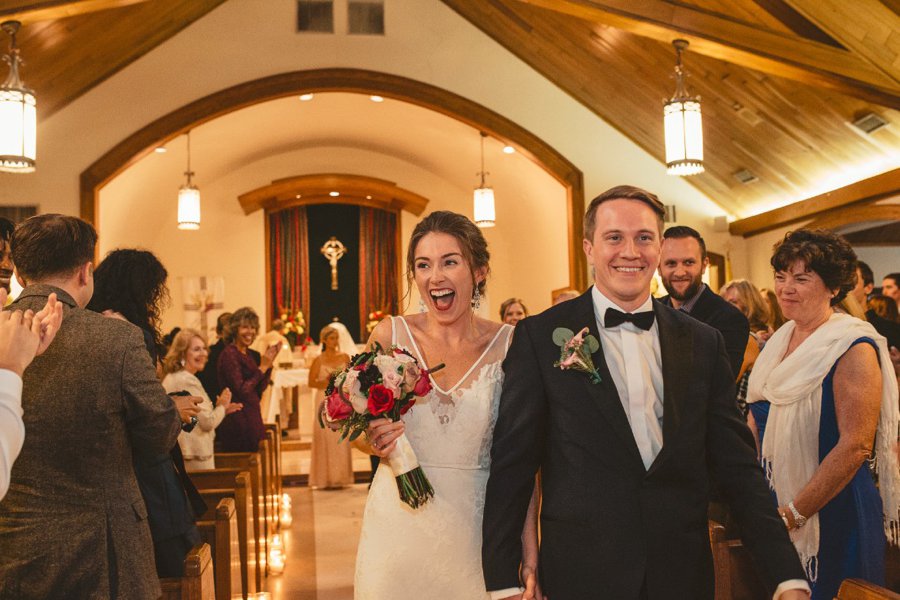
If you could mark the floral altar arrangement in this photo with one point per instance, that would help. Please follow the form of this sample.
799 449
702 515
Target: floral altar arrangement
378 384
295 328
375 317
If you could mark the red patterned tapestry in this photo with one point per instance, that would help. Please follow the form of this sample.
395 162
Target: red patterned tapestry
289 261
378 264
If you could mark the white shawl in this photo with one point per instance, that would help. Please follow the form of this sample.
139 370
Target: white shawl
793 386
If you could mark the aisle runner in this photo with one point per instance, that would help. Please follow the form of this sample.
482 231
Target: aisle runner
338 518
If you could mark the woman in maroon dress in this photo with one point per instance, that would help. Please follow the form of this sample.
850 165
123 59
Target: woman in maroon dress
247 375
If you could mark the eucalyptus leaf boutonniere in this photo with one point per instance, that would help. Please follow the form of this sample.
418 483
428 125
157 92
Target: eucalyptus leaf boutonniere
576 351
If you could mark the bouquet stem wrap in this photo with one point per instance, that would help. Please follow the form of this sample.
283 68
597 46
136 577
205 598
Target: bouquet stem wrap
413 485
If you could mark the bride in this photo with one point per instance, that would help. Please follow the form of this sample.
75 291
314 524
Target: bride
435 551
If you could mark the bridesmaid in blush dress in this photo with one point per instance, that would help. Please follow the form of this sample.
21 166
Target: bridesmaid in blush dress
331 465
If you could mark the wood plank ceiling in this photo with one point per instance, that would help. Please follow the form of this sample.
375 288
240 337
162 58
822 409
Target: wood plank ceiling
70 46
780 80
774 112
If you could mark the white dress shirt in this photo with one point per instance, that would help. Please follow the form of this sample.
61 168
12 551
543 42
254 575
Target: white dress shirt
12 430
634 360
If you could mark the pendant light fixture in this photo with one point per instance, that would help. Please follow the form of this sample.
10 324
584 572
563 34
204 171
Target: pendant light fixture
188 197
18 116
683 125
485 215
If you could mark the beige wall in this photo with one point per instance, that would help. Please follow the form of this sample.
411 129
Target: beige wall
244 40
139 210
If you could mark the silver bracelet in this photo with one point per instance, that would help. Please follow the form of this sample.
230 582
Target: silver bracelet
799 519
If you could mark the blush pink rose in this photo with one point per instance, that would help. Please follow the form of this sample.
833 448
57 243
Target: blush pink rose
336 409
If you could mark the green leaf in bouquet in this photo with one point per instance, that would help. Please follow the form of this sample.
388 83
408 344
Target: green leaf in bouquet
561 335
356 433
591 343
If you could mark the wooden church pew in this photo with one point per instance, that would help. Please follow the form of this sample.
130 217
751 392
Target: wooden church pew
198 582
272 492
857 589
736 574
221 533
217 484
256 463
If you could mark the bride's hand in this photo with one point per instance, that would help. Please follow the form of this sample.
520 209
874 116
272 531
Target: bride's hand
382 435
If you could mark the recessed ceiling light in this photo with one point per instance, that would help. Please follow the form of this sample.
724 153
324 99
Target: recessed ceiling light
334 194
368 197
306 97
376 98
508 150
160 149
299 196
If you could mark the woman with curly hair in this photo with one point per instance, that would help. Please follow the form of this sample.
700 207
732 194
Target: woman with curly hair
824 399
247 374
131 285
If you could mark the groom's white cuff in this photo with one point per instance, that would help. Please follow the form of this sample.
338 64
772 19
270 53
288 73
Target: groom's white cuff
501 594
790 584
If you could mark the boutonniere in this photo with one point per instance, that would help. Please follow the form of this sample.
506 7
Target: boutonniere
576 350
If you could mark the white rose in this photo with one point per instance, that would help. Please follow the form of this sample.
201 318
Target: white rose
352 390
386 363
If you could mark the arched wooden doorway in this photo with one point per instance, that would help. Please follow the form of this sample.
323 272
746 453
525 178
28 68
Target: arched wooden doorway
181 120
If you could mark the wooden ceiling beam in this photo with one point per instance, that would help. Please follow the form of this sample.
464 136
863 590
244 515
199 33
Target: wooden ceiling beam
743 44
33 12
867 190
868 28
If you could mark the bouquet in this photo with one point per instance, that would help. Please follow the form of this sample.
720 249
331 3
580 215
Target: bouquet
381 383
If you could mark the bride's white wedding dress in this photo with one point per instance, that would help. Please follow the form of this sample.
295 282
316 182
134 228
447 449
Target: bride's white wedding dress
435 551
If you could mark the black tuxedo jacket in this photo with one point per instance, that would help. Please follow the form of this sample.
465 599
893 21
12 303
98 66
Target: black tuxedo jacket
610 528
720 314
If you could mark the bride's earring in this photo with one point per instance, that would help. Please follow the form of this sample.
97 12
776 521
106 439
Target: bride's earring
182 362
476 298
422 305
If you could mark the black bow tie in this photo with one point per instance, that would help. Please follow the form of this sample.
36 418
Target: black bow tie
614 318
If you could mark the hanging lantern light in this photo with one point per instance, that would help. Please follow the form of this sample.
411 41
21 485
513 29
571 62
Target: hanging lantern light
188 197
485 215
18 115
683 125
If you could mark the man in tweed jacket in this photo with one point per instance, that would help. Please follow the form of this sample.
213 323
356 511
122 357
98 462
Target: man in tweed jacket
73 524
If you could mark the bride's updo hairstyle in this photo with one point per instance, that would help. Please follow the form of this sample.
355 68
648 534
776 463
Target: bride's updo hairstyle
471 241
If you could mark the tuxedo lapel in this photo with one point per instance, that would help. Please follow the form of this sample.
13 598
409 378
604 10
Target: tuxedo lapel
677 367
604 394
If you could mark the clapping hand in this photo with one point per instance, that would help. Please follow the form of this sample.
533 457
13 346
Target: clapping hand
268 358
25 335
224 400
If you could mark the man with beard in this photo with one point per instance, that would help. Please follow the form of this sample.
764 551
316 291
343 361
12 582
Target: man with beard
682 263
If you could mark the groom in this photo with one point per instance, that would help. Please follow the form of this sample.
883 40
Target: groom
626 462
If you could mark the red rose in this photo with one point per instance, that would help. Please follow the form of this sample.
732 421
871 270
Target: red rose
407 406
381 399
423 385
337 409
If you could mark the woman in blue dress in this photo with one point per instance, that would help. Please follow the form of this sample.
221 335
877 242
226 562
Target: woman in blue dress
823 395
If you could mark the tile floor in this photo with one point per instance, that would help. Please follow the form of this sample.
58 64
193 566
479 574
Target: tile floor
320 545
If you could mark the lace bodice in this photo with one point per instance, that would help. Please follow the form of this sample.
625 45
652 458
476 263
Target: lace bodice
454 427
